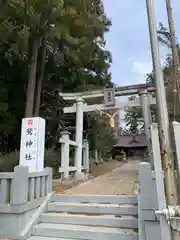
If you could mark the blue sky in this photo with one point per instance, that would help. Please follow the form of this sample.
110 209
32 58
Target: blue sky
128 39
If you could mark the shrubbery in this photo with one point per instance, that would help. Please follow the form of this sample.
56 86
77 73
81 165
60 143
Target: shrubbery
9 161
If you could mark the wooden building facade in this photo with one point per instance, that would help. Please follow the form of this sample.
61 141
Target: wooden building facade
132 145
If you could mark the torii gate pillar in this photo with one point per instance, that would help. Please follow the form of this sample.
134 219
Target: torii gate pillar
79 134
145 106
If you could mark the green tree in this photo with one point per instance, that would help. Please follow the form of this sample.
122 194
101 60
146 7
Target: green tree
134 120
42 51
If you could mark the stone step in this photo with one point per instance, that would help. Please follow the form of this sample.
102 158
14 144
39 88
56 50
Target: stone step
93 208
114 199
103 221
49 238
82 232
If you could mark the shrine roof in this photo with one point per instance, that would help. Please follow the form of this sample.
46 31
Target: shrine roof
131 141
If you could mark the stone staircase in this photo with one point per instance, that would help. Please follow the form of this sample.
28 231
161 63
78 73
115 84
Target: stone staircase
88 217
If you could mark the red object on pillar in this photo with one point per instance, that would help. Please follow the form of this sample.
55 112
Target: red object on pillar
30 122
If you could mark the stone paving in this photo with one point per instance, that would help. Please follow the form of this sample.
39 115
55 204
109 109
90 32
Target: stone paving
122 180
97 170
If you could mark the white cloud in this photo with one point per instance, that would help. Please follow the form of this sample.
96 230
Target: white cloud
132 58
141 67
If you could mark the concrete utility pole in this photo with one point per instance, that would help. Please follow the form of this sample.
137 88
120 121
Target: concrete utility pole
168 163
167 156
175 53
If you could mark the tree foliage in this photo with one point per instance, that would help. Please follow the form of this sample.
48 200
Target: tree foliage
134 121
46 47
101 134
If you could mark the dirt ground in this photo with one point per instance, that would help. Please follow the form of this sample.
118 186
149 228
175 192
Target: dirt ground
97 170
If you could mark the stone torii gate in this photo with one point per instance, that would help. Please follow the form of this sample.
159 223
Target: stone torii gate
107 100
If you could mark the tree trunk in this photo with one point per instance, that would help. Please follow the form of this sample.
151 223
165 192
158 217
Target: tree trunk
40 82
32 80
